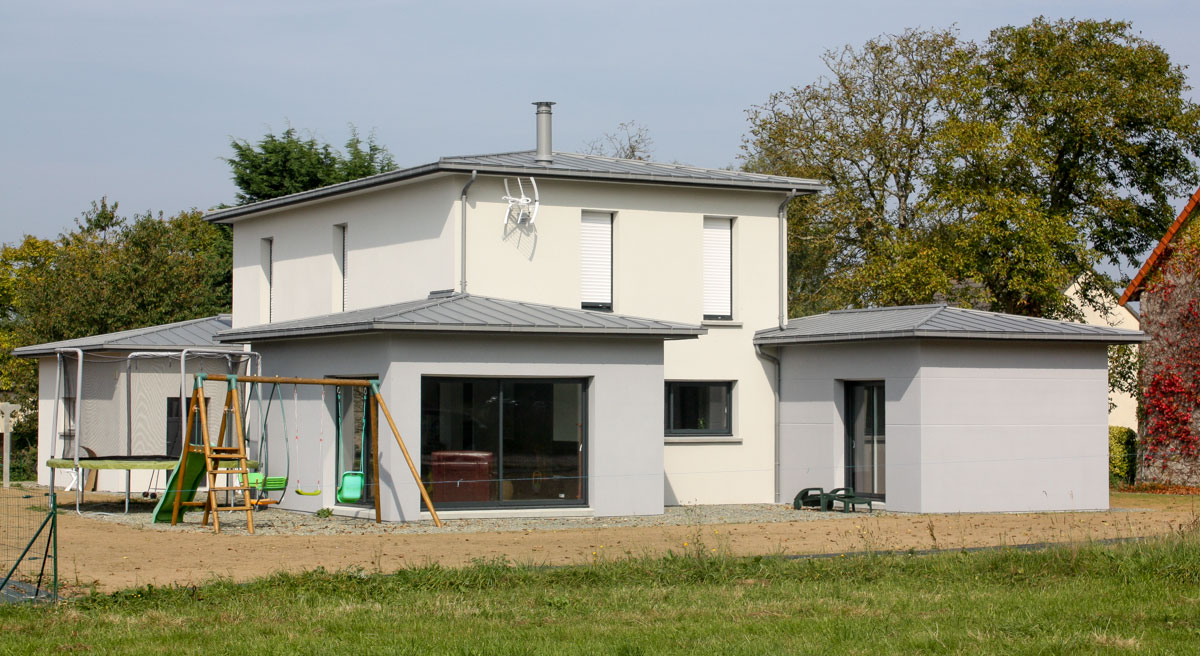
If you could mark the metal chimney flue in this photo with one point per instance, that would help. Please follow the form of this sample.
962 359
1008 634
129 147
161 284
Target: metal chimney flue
544 154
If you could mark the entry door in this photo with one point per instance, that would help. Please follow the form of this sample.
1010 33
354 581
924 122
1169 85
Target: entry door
865 438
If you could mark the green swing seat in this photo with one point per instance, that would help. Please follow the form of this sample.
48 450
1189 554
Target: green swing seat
258 481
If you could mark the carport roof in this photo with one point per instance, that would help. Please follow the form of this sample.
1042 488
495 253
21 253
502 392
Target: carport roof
937 321
190 334
463 313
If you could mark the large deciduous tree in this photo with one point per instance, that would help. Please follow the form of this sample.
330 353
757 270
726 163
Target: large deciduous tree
278 165
987 175
110 273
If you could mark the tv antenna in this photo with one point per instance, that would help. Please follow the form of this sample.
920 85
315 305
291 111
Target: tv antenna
521 208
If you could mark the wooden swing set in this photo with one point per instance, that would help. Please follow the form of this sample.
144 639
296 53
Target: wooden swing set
231 460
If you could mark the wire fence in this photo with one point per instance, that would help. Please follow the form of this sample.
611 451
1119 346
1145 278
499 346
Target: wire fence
28 545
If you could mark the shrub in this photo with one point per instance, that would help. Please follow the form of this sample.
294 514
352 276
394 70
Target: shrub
1122 454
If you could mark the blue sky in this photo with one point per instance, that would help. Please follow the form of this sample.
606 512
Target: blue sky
138 100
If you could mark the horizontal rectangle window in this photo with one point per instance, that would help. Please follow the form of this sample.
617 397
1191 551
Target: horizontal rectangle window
699 408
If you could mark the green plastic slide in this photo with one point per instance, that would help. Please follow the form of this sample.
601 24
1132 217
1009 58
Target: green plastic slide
192 472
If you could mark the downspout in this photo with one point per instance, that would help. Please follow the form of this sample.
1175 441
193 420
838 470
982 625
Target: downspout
776 392
783 254
783 312
462 200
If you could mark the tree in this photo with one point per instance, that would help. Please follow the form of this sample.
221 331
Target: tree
987 175
110 273
287 164
631 140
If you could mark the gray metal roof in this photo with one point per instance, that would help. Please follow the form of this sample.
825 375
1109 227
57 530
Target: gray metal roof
194 333
937 321
563 166
463 313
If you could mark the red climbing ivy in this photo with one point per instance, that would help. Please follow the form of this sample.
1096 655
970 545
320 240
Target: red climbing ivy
1171 367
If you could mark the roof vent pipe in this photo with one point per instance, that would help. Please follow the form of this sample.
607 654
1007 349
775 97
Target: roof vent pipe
543 155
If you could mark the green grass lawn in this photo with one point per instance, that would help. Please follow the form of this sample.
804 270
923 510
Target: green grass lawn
1128 598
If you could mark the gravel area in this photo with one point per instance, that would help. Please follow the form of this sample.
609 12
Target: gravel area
273 521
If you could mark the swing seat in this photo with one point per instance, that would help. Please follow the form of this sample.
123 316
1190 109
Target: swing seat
351 488
268 483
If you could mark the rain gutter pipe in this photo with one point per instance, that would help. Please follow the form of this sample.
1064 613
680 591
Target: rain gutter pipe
777 390
783 254
463 231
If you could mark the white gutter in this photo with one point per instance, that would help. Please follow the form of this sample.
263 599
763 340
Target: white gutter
462 200
777 390
783 258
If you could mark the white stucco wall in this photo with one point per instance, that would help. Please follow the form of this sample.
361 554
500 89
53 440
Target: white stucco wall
109 401
400 246
657 272
971 426
624 432
404 243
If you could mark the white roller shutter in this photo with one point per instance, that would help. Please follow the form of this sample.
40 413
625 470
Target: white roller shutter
595 259
718 268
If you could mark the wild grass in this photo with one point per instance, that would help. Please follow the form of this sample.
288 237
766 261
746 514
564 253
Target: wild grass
1138 597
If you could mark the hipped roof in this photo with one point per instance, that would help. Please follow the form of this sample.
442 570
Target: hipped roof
194 333
569 166
464 313
936 321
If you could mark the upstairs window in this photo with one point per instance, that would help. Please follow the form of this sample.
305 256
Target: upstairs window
718 268
267 262
339 258
595 260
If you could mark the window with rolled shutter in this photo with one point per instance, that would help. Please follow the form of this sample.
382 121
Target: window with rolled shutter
595 259
718 268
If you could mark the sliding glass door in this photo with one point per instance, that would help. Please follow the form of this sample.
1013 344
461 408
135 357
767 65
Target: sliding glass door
498 442
865 438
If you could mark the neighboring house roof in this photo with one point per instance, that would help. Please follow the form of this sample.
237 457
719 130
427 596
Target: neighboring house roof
1134 291
563 166
936 321
463 313
194 333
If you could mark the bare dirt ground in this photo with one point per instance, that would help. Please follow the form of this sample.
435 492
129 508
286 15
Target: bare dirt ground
107 554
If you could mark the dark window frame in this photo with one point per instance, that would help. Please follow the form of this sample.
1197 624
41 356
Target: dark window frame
584 382
669 406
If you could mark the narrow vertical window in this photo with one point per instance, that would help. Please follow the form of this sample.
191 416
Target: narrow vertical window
595 260
339 256
267 253
718 268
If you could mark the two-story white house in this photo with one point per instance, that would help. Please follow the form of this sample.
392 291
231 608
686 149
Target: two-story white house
595 354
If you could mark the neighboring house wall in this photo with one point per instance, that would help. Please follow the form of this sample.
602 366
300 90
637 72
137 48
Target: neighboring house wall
403 243
625 470
1124 410
107 408
971 426
1170 304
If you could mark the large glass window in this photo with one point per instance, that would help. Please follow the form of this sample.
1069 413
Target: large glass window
866 449
699 408
489 442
